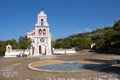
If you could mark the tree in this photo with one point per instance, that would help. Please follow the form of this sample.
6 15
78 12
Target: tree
108 34
117 23
12 42
52 41
24 42
2 48
107 39
67 43
59 43
110 41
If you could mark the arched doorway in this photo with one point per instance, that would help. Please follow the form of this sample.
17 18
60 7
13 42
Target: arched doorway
42 49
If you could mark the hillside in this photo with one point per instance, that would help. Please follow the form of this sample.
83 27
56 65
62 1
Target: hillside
107 39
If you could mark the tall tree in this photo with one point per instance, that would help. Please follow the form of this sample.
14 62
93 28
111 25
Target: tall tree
52 41
24 42
2 48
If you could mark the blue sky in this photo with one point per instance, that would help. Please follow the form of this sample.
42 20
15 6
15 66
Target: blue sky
65 17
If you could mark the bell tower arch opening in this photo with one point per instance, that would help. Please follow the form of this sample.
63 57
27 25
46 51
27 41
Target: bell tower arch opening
42 22
40 31
44 31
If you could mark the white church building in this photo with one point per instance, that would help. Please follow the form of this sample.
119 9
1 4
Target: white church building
41 36
40 40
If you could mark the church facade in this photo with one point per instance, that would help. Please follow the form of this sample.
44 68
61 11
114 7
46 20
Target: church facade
40 36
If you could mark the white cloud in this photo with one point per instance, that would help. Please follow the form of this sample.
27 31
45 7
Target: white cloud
88 29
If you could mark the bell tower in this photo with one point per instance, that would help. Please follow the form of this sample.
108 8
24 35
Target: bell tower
42 19
41 36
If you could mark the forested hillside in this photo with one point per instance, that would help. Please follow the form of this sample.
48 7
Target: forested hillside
107 40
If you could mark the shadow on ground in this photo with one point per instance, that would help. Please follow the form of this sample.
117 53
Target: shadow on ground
114 65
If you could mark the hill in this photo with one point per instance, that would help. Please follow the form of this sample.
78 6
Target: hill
107 40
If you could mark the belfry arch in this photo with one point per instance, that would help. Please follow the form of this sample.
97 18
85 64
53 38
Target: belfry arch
40 31
42 22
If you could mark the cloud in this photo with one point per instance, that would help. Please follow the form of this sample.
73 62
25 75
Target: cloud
88 29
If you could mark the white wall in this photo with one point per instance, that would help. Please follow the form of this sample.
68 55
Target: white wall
16 52
64 51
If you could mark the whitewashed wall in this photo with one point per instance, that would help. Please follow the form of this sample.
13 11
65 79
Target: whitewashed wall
64 51
16 52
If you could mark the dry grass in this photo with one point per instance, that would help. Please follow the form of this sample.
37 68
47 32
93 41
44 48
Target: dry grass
46 62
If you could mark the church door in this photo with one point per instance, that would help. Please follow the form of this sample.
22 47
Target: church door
39 49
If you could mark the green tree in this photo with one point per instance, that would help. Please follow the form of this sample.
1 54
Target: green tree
2 48
110 41
52 41
24 42
108 34
12 42
67 43
59 43
117 23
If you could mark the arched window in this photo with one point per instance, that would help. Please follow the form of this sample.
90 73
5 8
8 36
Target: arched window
42 22
44 31
40 31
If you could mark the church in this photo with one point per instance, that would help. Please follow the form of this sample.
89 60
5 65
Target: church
40 40
40 36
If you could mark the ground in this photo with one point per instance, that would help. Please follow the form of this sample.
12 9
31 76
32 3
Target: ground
17 68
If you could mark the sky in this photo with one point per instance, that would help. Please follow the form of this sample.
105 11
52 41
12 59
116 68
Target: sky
65 17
